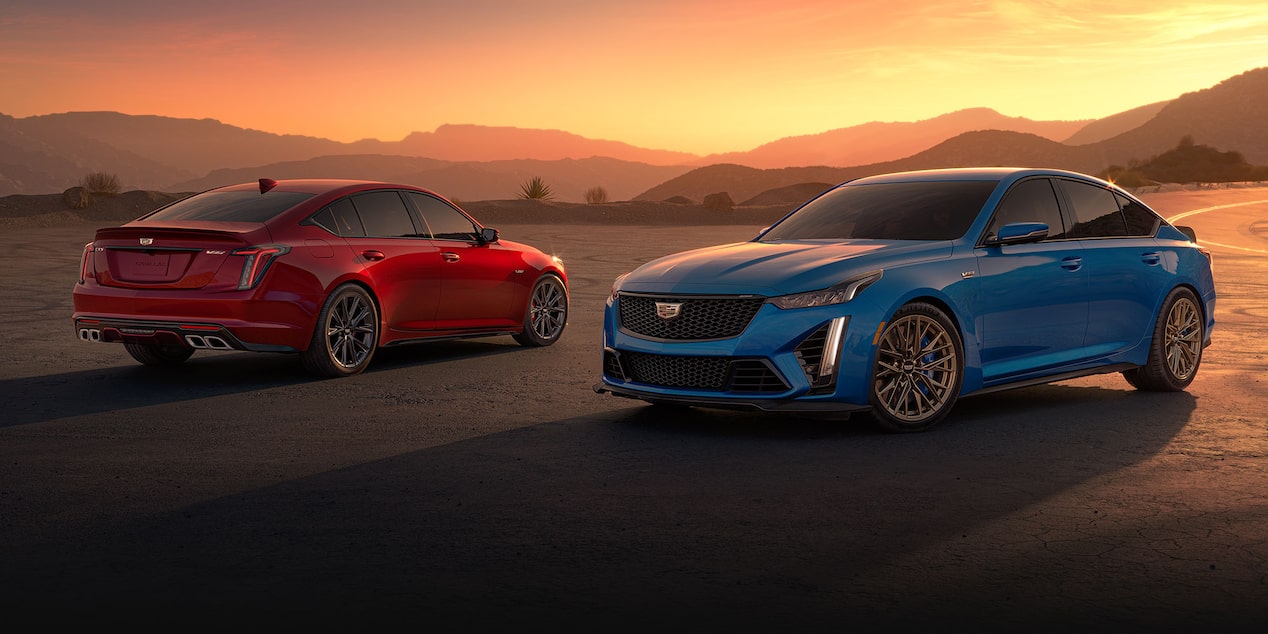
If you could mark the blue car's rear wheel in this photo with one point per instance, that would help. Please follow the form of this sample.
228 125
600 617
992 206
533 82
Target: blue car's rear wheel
1176 349
918 371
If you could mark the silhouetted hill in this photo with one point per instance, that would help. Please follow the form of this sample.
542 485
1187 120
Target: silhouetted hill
982 148
54 159
51 152
1188 163
491 180
1114 125
1232 111
886 141
194 146
461 143
742 183
1230 116
794 194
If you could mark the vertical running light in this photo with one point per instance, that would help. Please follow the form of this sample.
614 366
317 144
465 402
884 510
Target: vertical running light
832 347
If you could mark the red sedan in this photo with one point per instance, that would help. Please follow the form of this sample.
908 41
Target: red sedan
329 269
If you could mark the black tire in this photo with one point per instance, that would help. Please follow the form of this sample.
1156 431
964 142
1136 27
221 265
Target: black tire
346 335
1175 351
159 356
918 370
546 313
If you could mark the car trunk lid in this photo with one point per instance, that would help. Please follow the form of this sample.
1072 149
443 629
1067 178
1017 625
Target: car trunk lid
172 257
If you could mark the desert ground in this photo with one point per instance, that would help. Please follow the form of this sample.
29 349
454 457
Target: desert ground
478 485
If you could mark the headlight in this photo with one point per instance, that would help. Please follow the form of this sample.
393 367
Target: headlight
616 286
836 294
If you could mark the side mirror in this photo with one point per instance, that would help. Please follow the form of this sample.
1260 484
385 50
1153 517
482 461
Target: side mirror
1019 233
762 233
488 235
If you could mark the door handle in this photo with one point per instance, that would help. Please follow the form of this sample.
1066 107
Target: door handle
1150 258
1072 263
450 256
372 255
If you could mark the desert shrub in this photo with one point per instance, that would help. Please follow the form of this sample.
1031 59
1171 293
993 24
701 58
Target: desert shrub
596 195
100 183
77 197
719 202
536 189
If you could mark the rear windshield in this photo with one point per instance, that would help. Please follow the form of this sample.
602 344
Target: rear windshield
230 206
888 211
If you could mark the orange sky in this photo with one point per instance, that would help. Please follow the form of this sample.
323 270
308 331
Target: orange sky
696 76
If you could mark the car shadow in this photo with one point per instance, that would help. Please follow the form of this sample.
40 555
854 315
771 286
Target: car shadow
643 518
206 374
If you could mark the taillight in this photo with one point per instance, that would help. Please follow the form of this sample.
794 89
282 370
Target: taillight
257 262
1207 252
83 262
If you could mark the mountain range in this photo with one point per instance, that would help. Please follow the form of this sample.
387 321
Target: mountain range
48 153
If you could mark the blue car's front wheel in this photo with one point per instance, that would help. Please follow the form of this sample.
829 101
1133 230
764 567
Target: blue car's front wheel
918 370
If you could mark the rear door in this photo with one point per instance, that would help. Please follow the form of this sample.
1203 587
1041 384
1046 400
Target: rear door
1126 272
403 266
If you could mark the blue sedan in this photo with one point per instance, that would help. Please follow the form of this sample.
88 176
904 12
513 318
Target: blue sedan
897 294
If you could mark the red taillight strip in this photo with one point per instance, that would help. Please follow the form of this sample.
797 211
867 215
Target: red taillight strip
198 327
258 259
83 262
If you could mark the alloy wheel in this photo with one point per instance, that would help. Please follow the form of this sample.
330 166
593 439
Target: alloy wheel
548 310
916 368
1181 341
350 331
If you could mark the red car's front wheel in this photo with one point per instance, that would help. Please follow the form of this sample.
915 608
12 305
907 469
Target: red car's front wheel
547 313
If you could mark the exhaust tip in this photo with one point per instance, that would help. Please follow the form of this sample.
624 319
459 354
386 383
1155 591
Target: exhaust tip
216 343
90 334
207 342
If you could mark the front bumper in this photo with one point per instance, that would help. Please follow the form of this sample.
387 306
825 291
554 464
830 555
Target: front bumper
772 365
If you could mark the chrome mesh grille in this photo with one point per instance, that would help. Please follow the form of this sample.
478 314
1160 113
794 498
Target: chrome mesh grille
700 318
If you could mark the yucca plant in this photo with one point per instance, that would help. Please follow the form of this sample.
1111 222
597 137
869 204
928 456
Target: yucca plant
101 183
596 195
536 189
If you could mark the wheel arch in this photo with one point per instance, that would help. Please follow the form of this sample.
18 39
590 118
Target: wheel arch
356 281
971 370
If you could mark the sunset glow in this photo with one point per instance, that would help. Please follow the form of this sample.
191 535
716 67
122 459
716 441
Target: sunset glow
696 76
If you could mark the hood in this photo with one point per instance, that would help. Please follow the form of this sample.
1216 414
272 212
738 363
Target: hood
773 268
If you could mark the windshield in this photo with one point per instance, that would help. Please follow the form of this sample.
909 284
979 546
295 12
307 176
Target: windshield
230 206
934 210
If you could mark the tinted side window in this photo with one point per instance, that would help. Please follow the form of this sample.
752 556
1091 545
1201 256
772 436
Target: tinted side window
384 215
1096 213
338 218
443 221
1029 201
1141 221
